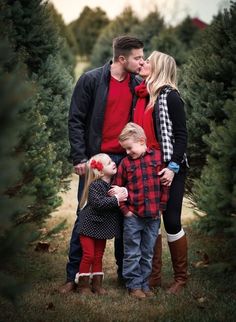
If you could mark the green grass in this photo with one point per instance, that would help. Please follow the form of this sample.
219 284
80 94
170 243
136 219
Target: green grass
209 296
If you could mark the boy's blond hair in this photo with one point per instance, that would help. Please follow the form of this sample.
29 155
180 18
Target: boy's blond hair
132 130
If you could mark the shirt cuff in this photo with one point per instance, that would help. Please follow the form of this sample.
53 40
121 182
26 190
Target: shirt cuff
126 191
173 166
117 199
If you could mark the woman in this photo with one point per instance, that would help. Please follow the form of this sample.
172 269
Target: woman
160 111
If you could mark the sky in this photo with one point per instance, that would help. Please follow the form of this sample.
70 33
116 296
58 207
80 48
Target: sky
173 11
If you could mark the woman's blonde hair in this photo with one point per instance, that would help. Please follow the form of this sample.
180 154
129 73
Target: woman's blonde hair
163 72
92 174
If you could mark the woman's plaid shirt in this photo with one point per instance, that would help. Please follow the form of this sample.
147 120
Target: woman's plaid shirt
146 196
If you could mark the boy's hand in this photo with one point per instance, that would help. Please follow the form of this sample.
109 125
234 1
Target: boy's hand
167 176
129 214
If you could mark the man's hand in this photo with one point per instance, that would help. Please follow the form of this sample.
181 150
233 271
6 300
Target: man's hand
80 168
167 176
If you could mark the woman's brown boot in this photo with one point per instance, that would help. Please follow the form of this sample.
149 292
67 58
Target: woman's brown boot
155 277
178 251
97 284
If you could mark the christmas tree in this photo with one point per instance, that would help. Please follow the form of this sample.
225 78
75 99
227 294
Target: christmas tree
210 87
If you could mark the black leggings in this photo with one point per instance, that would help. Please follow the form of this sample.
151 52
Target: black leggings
172 215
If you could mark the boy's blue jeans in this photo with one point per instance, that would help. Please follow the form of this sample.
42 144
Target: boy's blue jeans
139 237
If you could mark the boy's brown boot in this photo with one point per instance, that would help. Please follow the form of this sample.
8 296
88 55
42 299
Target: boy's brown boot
137 293
67 288
149 293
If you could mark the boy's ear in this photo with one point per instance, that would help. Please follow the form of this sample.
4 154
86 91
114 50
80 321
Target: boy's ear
142 141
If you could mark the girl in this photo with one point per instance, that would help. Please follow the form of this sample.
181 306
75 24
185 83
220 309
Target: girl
98 221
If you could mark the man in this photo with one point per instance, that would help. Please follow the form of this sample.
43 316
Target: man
101 106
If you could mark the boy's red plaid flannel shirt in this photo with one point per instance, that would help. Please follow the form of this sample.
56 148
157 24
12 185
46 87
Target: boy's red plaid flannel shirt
146 195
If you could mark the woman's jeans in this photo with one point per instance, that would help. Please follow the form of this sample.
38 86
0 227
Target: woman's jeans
139 237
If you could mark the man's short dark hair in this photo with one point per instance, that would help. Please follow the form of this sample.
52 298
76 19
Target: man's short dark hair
123 45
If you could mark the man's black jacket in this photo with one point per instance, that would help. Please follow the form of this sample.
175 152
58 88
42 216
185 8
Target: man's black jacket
87 111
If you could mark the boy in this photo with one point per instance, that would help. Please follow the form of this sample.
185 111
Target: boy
138 172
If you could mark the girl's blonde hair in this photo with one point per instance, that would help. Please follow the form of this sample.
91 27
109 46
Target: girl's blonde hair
91 175
163 72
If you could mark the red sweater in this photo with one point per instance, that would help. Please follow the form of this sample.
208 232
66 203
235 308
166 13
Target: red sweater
117 114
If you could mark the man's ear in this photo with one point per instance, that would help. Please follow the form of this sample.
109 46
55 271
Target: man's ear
122 59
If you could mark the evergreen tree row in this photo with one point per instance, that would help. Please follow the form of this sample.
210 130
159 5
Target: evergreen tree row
94 34
210 93
36 84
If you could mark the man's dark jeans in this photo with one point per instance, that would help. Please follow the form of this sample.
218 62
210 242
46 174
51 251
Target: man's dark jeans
75 251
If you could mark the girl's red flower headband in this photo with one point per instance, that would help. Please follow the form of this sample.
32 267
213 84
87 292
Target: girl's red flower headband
96 165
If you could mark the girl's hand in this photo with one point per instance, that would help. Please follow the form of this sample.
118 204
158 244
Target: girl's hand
116 189
167 176
122 195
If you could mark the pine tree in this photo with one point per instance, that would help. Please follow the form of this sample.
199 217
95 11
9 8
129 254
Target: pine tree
68 44
87 29
210 88
37 38
216 189
188 33
55 92
168 42
150 27
16 94
122 25
41 171
208 81
34 82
